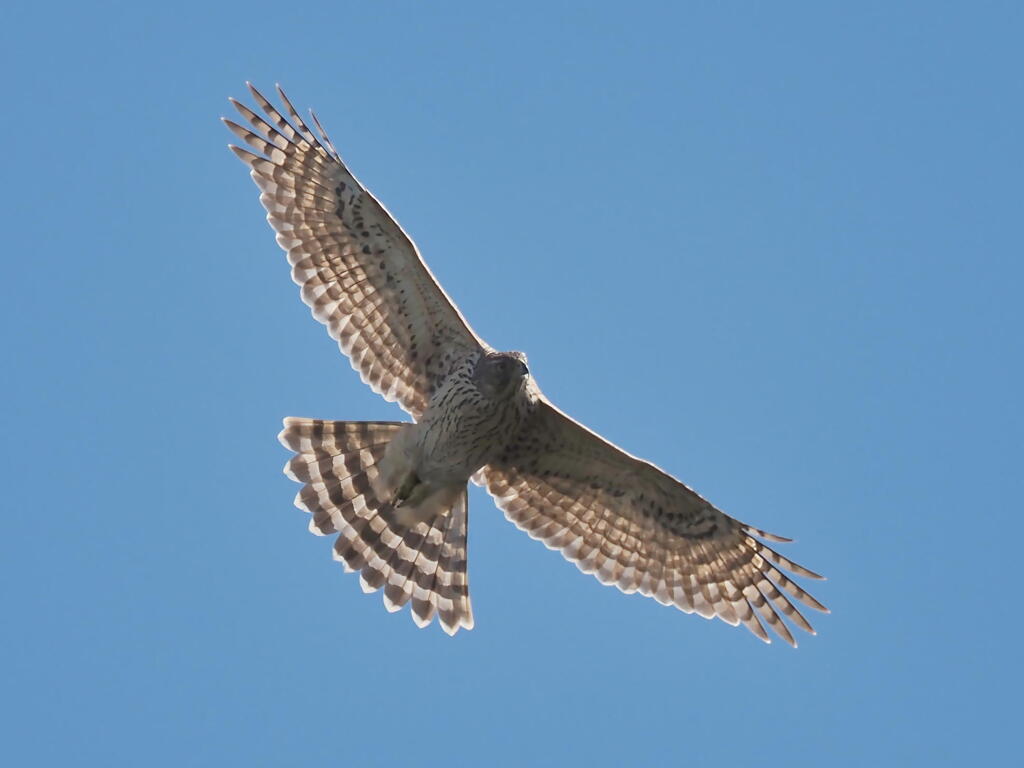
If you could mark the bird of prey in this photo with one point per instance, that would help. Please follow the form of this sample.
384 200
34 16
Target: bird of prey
394 493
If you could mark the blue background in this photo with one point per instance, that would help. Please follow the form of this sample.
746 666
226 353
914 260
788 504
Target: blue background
775 248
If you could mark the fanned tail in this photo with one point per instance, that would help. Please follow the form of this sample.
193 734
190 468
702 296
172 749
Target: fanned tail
423 562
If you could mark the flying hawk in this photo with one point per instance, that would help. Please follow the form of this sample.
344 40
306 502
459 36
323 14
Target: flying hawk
394 493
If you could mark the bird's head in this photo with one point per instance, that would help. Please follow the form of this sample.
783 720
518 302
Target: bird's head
499 374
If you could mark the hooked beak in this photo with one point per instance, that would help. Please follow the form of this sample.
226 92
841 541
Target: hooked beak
523 370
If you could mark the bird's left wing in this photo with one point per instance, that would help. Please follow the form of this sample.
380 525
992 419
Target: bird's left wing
360 274
633 525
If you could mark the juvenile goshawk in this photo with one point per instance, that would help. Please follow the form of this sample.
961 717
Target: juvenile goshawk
395 492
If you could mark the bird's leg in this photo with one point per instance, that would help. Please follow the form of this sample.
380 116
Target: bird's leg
406 490
407 500
417 501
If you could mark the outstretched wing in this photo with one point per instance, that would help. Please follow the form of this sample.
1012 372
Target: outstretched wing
360 273
632 525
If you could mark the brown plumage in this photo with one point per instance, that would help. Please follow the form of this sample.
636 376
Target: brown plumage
394 493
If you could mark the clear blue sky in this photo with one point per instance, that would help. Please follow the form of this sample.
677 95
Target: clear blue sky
777 249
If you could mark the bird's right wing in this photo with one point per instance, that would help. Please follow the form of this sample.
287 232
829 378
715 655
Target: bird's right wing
637 527
360 274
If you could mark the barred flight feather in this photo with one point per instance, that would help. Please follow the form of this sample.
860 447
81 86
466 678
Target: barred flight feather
635 527
424 563
359 272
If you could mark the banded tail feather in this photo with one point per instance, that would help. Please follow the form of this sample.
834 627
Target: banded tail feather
416 559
